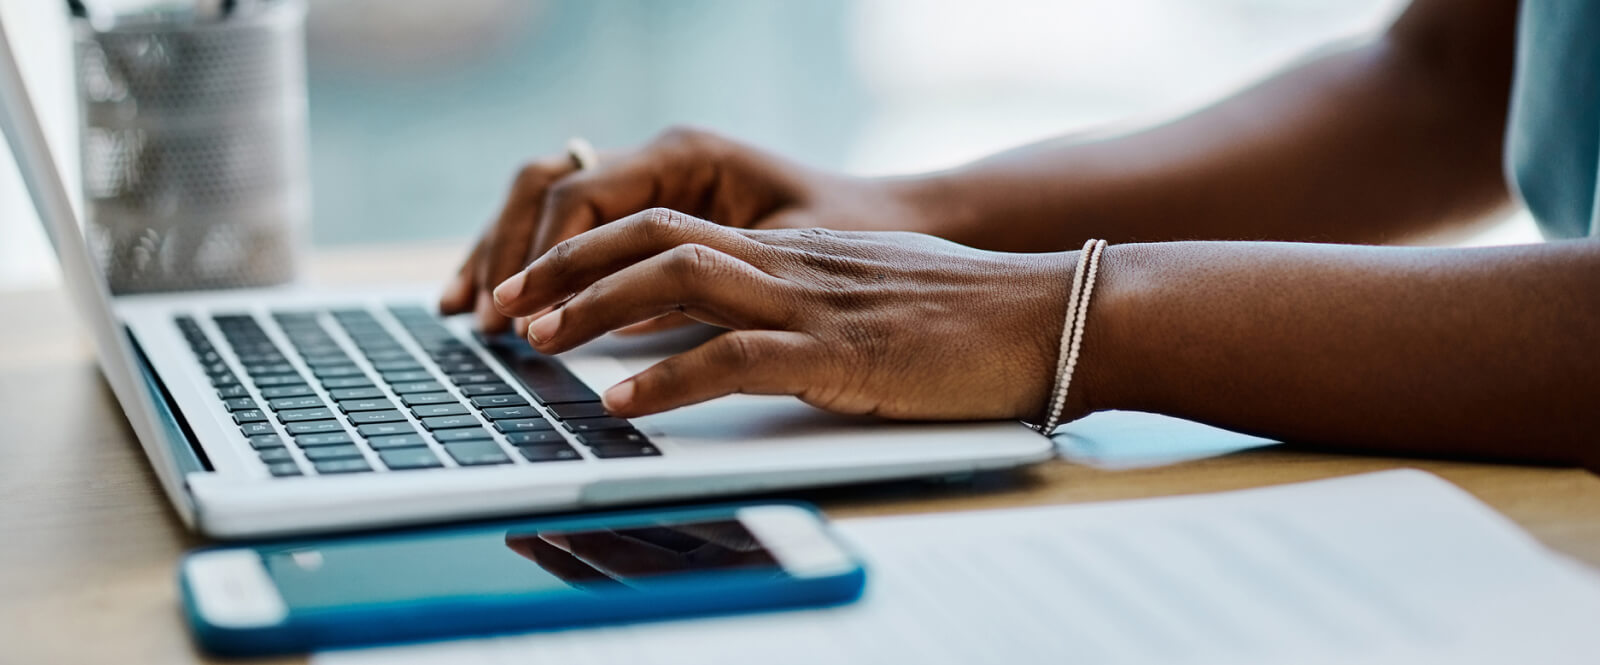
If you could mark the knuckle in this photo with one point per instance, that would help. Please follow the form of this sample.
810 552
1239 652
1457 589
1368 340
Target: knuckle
690 262
665 225
685 135
563 194
737 351
531 176
560 256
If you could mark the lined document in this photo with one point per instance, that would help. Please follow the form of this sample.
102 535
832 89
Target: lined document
1392 567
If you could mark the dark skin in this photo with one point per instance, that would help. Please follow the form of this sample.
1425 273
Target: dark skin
1438 351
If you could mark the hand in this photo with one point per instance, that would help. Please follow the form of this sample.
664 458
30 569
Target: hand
687 170
600 559
899 325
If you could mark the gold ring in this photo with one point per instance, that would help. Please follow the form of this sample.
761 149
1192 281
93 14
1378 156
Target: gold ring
582 153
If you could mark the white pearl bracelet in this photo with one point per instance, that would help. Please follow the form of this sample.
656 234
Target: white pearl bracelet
1072 331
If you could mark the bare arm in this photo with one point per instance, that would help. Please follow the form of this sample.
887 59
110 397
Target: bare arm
1374 143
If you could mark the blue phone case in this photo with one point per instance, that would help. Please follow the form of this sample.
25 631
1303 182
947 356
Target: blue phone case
678 595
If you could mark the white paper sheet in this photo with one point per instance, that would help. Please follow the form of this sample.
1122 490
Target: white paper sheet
1131 439
1392 567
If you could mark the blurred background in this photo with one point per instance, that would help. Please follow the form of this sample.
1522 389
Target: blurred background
421 110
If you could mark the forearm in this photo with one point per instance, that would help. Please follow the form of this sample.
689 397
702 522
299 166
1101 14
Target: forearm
1482 352
1367 144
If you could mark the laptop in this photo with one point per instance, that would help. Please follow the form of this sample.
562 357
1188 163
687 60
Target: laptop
298 410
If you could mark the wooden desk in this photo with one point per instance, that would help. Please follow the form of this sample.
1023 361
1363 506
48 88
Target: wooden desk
88 543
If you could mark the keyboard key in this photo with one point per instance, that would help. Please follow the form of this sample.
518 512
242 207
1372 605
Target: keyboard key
223 381
542 375
491 401
396 441
352 465
475 453
535 438
334 371
301 415
282 469
255 429
292 390
408 387
273 455
278 380
264 441
428 410
352 405
370 417
232 392
615 450
449 422
549 453
396 365
329 439
265 369
355 393
579 410
347 382
474 377
327 359
611 437
319 453
419 399
401 459
510 413
525 425
463 367
463 434
249 416
385 429
486 389
239 404
307 402
596 424
406 376
314 427
392 354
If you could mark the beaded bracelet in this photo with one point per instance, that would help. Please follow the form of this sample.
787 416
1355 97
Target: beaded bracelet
1072 330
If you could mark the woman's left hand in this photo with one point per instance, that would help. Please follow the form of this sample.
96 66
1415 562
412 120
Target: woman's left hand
899 325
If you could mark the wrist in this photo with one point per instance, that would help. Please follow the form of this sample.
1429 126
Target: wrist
937 205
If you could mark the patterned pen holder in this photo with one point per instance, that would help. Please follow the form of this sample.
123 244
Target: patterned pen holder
194 145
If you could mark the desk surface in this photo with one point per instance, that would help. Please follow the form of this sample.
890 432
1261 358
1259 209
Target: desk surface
87 542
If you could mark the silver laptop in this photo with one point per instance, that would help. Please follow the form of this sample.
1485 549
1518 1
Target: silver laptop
293 410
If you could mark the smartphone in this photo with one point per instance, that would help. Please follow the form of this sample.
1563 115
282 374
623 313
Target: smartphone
513 576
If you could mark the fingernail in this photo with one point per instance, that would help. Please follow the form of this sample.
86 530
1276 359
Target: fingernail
509 289
619 396
544 327
556 539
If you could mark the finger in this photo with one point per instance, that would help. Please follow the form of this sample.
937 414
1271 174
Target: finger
731 536
506 245
558 562
576 263
661 323
751 362
618 556
457 297
696 280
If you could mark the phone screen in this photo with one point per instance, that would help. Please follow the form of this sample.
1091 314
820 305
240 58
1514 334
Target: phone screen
500 562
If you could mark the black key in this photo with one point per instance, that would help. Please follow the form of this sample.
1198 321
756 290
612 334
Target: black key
352 405
402 459
446 357
264 441
269 368
408 387
314 427
255 429
510 412
481 389
329 439
429 410
335 371
302 415
406 376
470 378
295 390
535 438
273 455
347 382
356 393
319 453
224 380
385 429
463 367
463 434
396 365
612 436
392 354
474 453
307 402
525 425
215 368
232 392
279 380
596 424
353 465
449 422
249 416
419 399
579 410
239 403
371 417
282 469
396 441
546 378
491 401
328 360
615 450
549 453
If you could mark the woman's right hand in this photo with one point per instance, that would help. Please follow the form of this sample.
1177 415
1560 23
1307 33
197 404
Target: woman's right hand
690 171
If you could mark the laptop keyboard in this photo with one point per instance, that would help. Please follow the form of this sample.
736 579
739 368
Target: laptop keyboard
316 408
